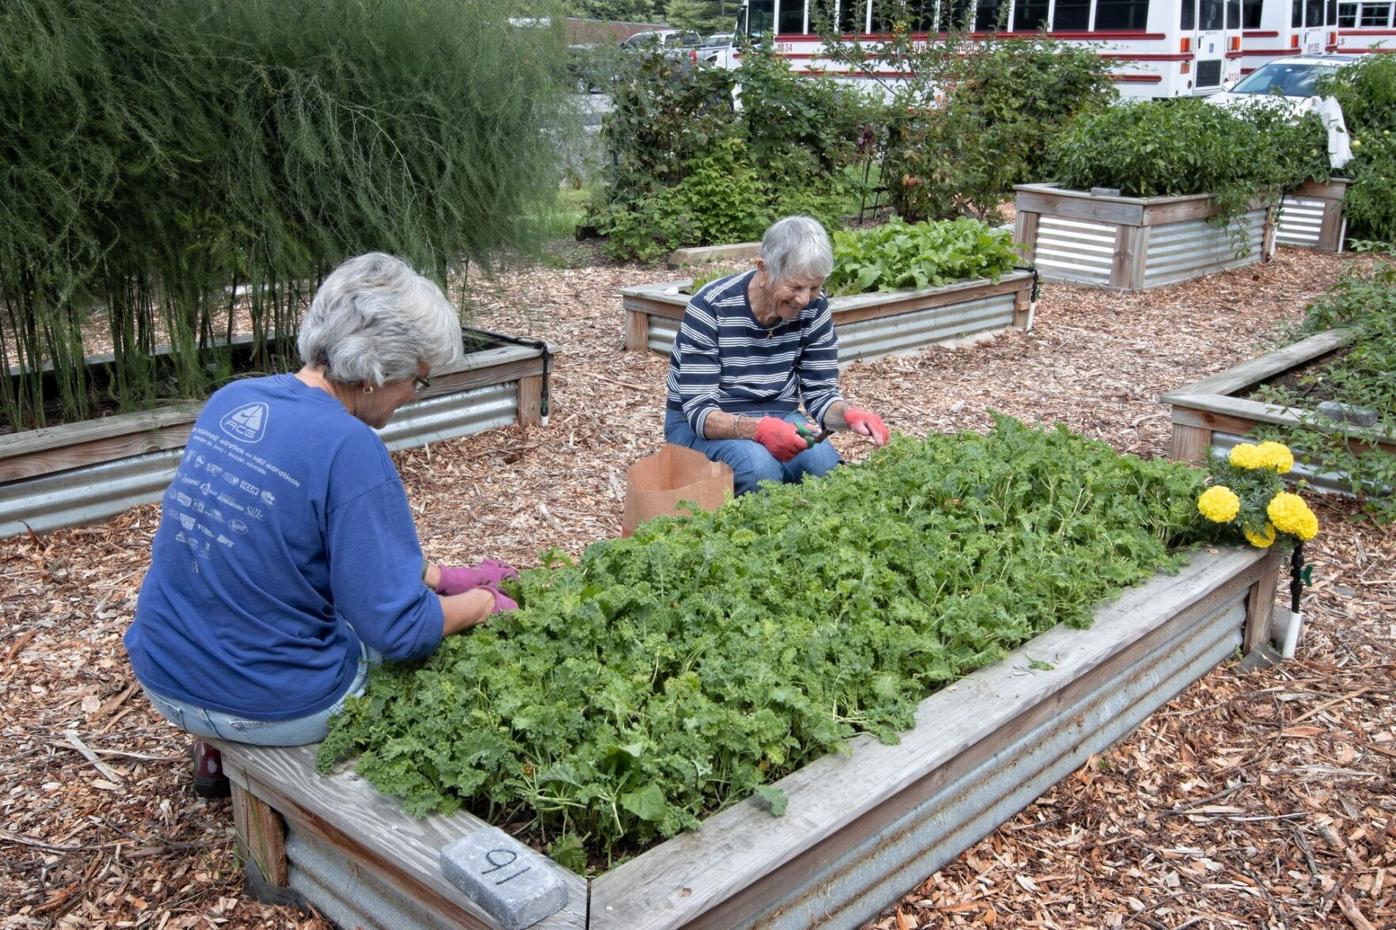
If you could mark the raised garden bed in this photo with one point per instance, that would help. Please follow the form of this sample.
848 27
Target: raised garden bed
860 830
1313 216
79 472
1130 243
1212 415
868 325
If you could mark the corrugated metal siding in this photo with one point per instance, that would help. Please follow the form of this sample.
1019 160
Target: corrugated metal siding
1179 251
884 335
1074 250
1300 221
906 331
95 492
855 888
349 896
1328 481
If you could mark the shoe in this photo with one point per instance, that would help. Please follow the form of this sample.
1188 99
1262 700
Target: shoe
209 780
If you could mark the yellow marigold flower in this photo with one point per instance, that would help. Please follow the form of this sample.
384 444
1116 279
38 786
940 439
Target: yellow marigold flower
1245 455
1275 455
1219 504
1290 514
1262 540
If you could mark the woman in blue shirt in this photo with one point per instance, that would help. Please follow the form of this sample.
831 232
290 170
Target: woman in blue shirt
286 561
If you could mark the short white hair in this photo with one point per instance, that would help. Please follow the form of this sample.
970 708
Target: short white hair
374 320
797 245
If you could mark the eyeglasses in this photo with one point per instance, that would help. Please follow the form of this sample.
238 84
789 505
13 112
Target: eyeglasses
420 384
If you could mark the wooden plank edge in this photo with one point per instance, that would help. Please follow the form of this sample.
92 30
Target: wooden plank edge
1197 584
1219 410
1267 365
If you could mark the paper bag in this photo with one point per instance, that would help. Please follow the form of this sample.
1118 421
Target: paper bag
657 483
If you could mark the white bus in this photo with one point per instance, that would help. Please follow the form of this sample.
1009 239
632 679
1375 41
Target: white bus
1273 28
1157 48
1366 26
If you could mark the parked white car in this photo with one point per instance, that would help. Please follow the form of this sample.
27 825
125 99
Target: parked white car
1290 79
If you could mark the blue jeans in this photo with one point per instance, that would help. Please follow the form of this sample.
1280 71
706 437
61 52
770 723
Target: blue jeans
750 461
299 731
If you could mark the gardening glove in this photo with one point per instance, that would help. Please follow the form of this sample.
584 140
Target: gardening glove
780 438
502 601
457 579
867 423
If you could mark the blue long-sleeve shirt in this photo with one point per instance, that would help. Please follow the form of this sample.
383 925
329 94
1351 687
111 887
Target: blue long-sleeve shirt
723 359
285 540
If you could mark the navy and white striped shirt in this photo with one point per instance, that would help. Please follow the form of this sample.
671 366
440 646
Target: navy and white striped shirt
724 360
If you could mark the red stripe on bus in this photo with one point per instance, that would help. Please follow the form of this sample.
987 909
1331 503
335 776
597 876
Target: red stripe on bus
1365 51
1251 52
1136 78
1367 32
1021 34
1260 34
1125 56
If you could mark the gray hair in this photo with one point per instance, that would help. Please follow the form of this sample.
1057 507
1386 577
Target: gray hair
374 319
797 245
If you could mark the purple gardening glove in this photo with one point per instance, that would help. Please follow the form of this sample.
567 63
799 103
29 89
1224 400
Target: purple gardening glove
457 579
502 601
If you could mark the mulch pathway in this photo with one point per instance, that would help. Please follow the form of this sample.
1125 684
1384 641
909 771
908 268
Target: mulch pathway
1254 799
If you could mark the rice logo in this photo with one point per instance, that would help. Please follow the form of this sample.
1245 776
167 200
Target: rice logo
248 422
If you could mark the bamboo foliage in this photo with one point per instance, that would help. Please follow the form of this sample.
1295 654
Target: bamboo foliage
166 158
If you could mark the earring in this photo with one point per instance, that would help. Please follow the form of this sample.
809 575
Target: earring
368 389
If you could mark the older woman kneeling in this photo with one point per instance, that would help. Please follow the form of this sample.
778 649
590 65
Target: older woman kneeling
286 561
754 347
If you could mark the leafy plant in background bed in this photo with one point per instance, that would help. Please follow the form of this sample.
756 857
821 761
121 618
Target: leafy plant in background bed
692 168
668 675
918 255
164 154
968 118
1175 147
1366 90
1361 380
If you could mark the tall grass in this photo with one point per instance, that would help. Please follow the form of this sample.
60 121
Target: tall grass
160 154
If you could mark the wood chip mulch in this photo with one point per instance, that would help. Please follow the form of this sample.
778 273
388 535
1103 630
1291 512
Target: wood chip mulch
1258 799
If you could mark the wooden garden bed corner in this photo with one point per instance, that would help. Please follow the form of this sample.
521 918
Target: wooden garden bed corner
861 829
1208 417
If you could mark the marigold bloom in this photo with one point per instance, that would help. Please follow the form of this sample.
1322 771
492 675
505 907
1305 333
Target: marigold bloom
1219 504
1275 455
1246 455
1290 514
1262 540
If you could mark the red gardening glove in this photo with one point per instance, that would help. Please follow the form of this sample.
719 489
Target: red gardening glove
458 579
502 601
779 438
867 423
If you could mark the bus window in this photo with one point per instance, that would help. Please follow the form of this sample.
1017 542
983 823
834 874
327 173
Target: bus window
1347 14
1250 14
1072 15
1233 14
1122 14
760 17
989 17
1313 13
792 16
1029 14
1209 15
924 15
954 15
1376 14
1188 19
848 17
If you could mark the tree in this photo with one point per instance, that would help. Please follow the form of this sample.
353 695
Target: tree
617 11
702 16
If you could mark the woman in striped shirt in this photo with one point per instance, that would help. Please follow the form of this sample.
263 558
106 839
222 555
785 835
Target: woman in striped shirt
752 350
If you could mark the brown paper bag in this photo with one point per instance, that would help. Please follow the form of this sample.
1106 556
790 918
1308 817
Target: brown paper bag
657 483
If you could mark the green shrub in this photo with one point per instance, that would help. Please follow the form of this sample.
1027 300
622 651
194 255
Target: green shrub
691 168
971 118
163 152
920 255
1188 146
1366 90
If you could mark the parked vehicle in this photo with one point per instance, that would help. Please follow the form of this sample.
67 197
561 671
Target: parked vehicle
1291 79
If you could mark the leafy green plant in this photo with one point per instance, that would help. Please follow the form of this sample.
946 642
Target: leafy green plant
1175 147
898 255
1360 379
670 674
166 156
1366 90
969 117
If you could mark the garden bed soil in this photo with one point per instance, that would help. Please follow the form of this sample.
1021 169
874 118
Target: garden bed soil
1255 797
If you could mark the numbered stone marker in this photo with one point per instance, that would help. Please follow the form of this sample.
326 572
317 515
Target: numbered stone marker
515 885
